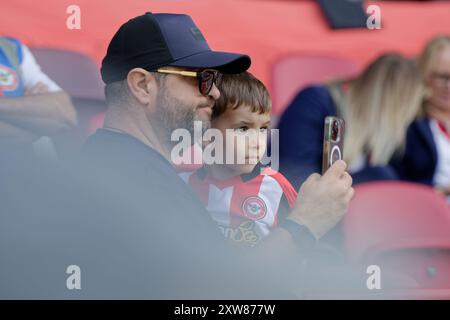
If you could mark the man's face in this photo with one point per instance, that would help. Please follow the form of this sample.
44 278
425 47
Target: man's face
439 80
248 131
179 103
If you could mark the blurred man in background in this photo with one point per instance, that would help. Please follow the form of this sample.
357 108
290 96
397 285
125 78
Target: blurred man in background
32 106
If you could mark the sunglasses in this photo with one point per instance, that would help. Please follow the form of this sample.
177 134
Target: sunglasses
206 78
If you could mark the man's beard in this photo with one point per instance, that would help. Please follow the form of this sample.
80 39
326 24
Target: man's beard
172 114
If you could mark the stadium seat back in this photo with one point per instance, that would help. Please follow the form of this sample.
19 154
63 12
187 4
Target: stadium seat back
295 71
429 266
75 72
403 227
79 76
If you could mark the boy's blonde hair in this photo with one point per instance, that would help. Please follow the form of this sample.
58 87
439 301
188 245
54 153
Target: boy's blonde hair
242 89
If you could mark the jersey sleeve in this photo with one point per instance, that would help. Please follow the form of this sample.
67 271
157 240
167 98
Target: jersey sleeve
289 192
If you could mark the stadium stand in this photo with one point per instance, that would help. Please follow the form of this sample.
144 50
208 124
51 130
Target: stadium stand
401 227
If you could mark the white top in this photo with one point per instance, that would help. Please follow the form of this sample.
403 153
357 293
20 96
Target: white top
442 173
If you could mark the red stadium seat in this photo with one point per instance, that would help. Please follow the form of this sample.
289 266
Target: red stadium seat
293 72
79 76
76 73
401 227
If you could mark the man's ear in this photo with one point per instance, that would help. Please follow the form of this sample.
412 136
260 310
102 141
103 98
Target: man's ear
142 85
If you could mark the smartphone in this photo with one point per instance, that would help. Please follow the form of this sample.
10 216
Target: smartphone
333 141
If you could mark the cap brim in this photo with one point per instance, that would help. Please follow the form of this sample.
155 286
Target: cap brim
222 61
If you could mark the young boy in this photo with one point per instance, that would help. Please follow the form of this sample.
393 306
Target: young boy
243 197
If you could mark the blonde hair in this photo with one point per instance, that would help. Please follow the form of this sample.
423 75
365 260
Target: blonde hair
242 89
428 54
425 62
378 107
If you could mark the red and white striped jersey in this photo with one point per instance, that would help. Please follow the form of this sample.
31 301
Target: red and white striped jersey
246 207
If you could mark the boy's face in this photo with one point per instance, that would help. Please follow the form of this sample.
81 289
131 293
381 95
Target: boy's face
249 131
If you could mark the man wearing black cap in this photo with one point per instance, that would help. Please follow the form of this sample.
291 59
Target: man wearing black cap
160 75
147 49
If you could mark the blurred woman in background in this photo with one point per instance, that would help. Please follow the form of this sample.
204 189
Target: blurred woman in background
427 155
377 106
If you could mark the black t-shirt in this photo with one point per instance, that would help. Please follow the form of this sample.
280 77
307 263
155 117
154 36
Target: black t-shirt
171 245
131 225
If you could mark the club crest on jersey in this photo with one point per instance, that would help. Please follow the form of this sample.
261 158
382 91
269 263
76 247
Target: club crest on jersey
254 208
8 79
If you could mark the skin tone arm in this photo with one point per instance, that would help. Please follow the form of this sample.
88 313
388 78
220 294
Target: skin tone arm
38 113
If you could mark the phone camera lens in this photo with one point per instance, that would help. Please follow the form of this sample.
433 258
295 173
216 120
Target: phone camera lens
335 130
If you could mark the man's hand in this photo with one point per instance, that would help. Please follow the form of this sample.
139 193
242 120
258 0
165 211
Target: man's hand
323 200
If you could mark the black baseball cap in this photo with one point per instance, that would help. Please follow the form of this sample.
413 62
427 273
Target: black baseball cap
151 41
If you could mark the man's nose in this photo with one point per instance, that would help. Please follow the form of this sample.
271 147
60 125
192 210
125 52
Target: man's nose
214 93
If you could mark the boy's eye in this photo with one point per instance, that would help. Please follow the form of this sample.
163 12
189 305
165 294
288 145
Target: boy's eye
241 129
246 129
